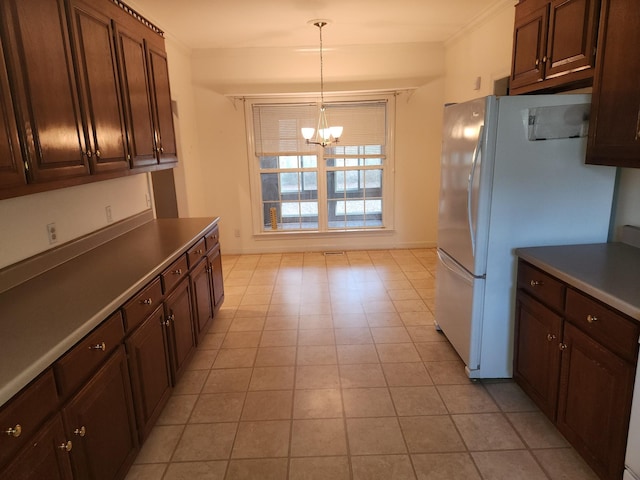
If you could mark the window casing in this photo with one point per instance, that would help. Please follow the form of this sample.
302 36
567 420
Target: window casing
304 188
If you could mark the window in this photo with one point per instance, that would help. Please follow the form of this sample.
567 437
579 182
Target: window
307 188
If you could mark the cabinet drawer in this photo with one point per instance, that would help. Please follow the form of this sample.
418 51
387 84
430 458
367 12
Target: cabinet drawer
195 253
172 275
540 285
77 364
23 414
140 306
212 238
606 326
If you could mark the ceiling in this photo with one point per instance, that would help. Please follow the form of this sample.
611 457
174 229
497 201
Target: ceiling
284 23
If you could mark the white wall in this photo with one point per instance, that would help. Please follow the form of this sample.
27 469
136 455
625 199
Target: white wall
627 208
482 50
221 186
76 211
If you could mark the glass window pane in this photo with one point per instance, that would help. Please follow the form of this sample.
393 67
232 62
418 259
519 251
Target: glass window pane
288 161
289 182
309 161
372 179
310 182
270 190
268 162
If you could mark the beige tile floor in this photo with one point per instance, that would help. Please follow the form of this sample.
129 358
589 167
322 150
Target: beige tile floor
328 367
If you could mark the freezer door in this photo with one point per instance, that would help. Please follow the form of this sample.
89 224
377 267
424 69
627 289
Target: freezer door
459 309
460 173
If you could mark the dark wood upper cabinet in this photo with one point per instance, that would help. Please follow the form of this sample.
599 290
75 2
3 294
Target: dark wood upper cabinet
11 166
41 64
164 130
529 45
554 45
614 128
135 84
98 71
84 95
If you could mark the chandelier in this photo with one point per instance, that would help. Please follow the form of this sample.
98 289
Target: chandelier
324 135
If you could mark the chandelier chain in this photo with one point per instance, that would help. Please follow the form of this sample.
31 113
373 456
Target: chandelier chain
320 25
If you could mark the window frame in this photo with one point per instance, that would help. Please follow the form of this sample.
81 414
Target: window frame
388 167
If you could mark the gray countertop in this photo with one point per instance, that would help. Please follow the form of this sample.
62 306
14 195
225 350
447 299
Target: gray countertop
609 272
45 316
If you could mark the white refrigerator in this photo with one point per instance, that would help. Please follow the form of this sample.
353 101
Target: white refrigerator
512 175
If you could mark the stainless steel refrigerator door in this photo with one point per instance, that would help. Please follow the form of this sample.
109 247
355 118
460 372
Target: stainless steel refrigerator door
459 309
461 168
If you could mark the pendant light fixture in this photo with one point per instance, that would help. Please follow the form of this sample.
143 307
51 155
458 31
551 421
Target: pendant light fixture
324 135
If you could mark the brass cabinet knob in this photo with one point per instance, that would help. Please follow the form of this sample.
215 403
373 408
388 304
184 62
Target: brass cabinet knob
562 346
592 318
537 62
98 153
89 154
161 149
535 283
82 431
146 301
550 337
66 446
98 346
177 271
15 431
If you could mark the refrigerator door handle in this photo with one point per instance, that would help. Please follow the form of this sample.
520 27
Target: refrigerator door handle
472 174
454 268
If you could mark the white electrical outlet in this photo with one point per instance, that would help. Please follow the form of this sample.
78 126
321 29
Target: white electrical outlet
52 232
107 211
148 199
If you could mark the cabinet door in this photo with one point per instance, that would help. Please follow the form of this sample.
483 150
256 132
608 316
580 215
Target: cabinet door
572 36
46 91
95 49
594 403
149 367
165 137
202 298
217 285
101 421
11 166
537 354
137 97
46 456
529 46
614 128
178 315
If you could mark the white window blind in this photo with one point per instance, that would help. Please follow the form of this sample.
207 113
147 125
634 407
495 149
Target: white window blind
277 127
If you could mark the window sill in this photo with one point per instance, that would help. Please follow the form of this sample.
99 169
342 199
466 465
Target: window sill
282 234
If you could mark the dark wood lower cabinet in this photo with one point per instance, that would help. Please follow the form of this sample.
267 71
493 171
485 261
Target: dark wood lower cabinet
217 285
202 298
536 353
149 367
572 360
179 319
100 421
46 456
595 400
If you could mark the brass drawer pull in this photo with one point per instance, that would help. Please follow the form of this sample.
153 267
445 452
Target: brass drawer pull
66 446
82 431
562 346
15 431
98 346
199 251
535 283
551 337
146 301
178 271
592 318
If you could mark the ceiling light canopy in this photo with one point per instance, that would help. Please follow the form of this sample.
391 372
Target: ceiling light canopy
324 134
